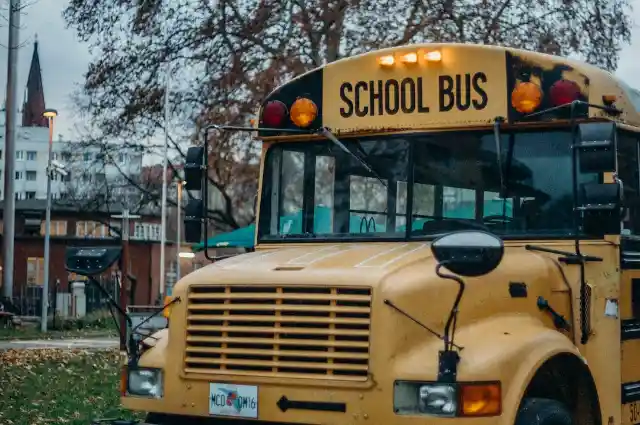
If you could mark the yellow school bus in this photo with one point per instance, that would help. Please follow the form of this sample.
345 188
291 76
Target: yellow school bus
446 234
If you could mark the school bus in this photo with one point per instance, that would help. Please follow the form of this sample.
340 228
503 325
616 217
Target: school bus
446 233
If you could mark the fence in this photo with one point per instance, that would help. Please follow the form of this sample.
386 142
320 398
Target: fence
29 301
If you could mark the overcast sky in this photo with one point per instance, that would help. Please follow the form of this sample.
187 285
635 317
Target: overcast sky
63 58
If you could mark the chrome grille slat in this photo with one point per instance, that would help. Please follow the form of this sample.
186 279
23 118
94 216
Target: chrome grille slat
279 331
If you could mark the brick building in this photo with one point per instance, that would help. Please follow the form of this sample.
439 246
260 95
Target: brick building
70 227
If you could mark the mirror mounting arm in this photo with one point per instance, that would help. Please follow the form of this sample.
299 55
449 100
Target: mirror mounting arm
450 327
133 347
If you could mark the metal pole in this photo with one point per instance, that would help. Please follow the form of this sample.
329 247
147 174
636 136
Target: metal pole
165 160
11 113
124 275
124 270
47 236
178 225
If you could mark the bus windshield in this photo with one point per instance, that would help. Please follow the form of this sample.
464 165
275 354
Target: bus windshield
437 182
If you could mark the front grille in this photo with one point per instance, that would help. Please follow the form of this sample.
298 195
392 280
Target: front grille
279 331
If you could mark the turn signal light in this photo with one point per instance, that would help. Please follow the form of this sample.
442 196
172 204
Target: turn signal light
166 312
480 399
609 99
563 92
303 112
274 113
526 97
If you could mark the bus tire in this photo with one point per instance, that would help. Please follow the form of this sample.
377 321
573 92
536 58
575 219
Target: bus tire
158 419
543 411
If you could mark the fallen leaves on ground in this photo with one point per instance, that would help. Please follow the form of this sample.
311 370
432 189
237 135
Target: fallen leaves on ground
59 386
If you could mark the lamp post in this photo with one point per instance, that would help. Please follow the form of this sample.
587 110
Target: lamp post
50 114
180 184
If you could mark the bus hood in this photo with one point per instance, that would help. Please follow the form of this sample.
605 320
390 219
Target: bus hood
336 263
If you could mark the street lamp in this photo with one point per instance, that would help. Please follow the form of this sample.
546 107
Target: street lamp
180 183
50 114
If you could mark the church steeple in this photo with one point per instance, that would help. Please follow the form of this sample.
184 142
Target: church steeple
34 105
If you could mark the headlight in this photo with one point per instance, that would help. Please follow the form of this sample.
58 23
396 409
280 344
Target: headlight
419 398
144 382
447 400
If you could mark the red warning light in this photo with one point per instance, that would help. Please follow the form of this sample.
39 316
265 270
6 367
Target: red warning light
274 113
563 92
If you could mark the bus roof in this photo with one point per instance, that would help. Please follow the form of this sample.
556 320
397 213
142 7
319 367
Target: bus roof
443 85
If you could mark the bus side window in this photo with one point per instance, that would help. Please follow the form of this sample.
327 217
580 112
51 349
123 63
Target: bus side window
635 298
628 173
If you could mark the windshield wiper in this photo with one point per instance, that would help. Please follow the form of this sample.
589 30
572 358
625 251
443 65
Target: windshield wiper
326 133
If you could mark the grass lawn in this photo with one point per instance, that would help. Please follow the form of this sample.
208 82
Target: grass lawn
33 332
53 386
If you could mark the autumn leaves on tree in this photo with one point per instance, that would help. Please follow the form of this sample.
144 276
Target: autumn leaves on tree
225 56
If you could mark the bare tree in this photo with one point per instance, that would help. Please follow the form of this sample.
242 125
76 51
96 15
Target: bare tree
226 55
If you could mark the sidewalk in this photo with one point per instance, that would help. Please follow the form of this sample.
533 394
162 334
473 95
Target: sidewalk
88 343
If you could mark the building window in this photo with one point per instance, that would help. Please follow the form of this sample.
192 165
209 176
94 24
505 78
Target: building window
115 229
19 196
31 176
87 156
18 175
0 153
138 231
35 271
32 155
30 195
58 228
55 156
20 155
155 232
91 229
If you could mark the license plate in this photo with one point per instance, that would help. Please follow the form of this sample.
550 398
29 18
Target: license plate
240 401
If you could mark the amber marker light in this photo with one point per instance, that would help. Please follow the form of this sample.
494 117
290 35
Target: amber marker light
526 97
410 58
609 99
303 112
387 60
433 56
480 399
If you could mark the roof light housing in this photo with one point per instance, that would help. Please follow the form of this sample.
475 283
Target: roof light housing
411 57
274 113
526 97
433 56
563 92
303 112
386 60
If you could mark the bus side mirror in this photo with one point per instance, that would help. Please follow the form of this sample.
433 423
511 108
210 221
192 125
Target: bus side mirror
468 252
193 220
601 208
194 168
596 147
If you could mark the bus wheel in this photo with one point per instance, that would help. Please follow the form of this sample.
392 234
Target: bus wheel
543 411
159 419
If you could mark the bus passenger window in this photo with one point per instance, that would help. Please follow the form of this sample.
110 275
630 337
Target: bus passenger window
458 203
495 205
324 194
424 204
368 205
291 191
628 173
635 298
